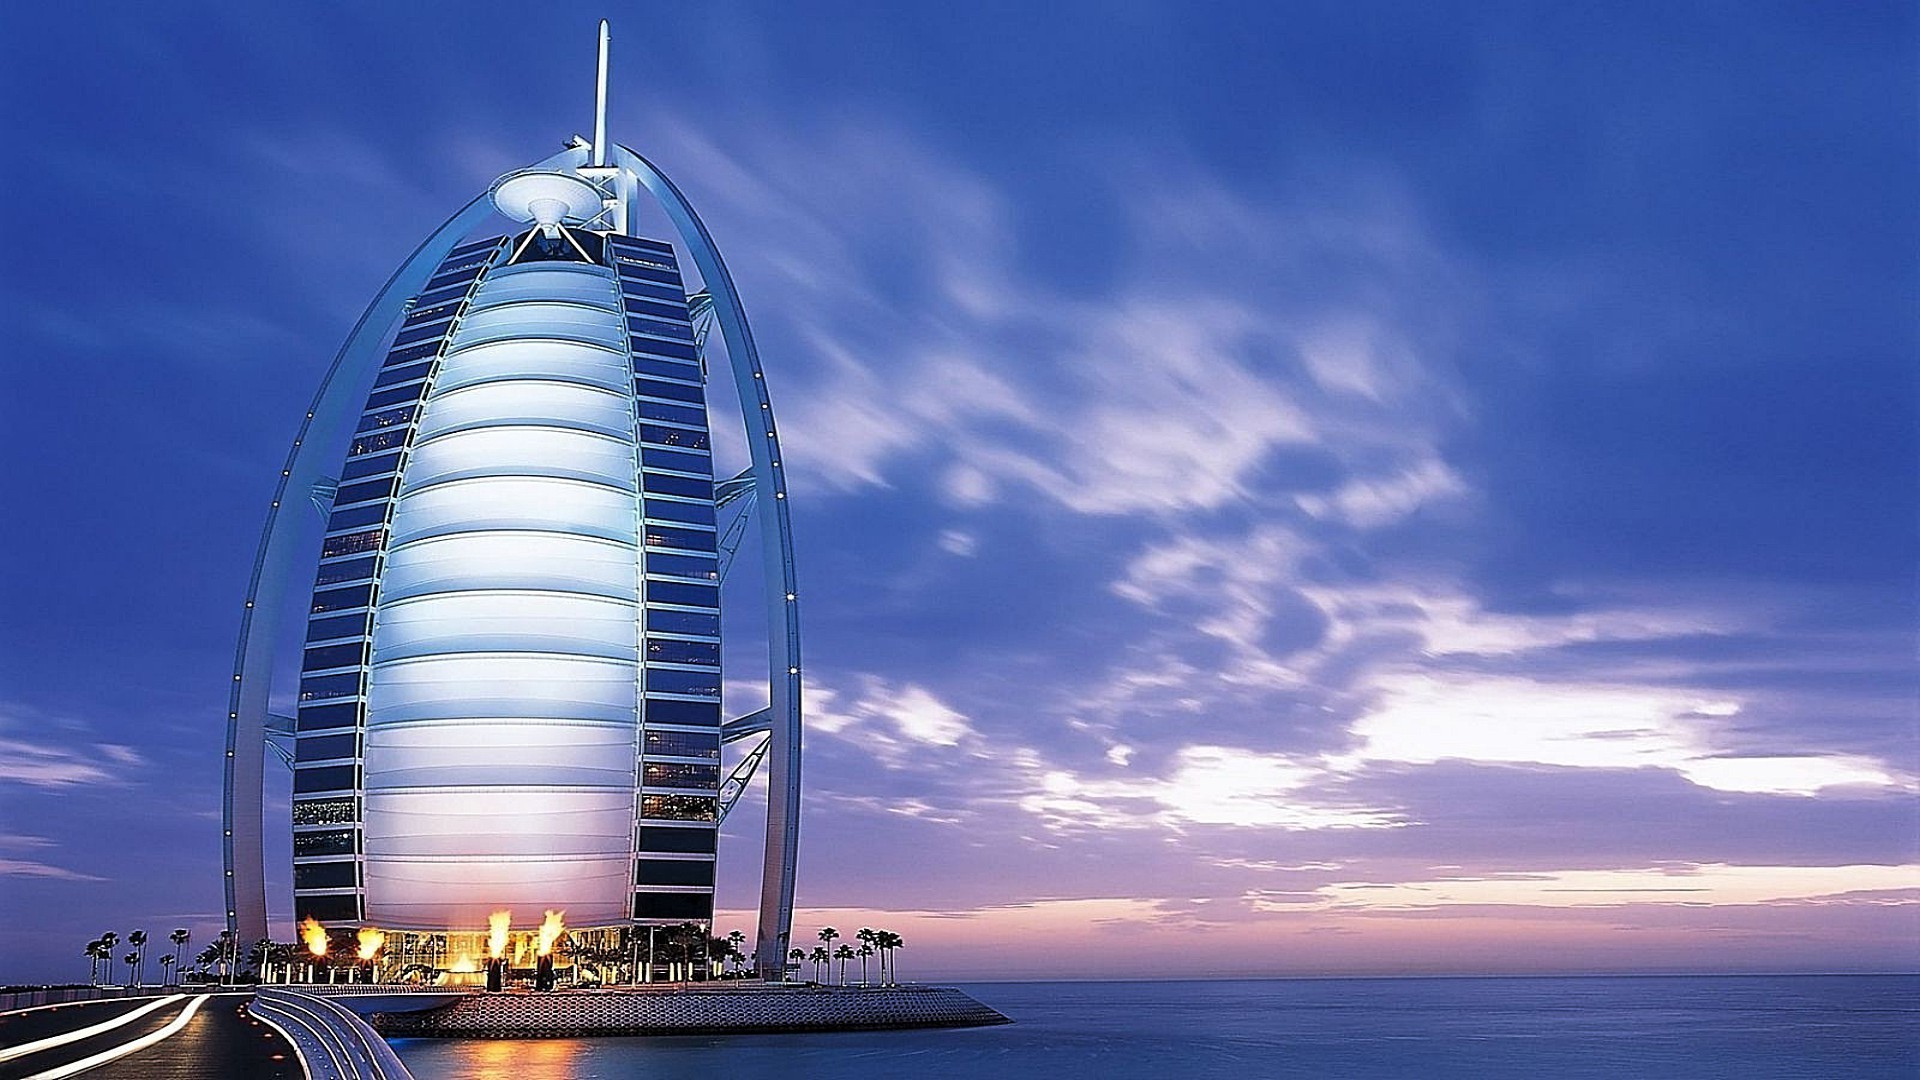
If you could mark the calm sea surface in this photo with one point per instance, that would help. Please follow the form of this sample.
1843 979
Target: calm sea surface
1748 1027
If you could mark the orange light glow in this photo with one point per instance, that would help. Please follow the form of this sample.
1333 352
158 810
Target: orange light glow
465 963
497 924
370 942
314 935
550 931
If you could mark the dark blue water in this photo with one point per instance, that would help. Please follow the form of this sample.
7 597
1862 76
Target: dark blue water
1746 1027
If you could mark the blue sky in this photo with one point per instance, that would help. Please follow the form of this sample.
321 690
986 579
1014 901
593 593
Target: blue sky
1280 489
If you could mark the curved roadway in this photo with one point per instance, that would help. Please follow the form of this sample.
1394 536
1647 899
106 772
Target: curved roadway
148 1038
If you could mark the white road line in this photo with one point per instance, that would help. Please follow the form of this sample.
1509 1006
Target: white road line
52 1041
124 1049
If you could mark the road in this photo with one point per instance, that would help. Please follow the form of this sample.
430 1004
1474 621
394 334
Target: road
169 1036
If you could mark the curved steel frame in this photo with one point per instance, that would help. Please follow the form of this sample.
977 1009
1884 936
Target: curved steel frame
337 404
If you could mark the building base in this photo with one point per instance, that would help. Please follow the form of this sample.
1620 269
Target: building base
692 1010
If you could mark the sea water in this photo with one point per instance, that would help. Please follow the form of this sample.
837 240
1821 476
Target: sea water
1744 1027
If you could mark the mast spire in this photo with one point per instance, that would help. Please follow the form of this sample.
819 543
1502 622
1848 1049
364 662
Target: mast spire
600 102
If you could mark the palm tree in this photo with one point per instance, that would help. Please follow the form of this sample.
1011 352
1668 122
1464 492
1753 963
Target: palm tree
890 941
736 939
827 934
798 956
131 958
864 951
206 958
138 939
819 956
843 954
108 942
166 969
865 935
179 938
93 962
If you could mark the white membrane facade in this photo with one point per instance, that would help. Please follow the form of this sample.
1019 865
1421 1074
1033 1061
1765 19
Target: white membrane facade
500 745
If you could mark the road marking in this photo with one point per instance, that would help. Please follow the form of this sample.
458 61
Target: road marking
52 1041
124 1049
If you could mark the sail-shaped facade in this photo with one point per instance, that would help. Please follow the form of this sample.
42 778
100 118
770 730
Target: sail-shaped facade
509 694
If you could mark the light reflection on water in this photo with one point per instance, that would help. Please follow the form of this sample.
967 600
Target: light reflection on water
1745 1027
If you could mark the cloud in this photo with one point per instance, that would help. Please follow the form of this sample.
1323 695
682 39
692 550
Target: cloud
927 344
1688 884
51 765
29 869
1424 719
1207 785
892 722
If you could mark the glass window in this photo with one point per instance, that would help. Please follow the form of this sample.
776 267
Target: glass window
456 291
674 872
681 775
408 354
370 466
380 399
693 744
422 314
668 536
326 875
656 347
338 626
678 807
684 840
451 276
667 621
354 543
675 907
678 414
325 747
343 714
691 513
669 293
357 517
414 335
671 391
685 438
377 441
455 264
640 306
351 570
343 811
330 842
324 778
668 369
691 567
676 460
348 654
665 650
691 713
630 272
329 909
659 328
353 596
371 489
404 373
699 683
387 418
686 595
690 486
328 687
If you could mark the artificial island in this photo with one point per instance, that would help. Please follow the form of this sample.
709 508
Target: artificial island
508 753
